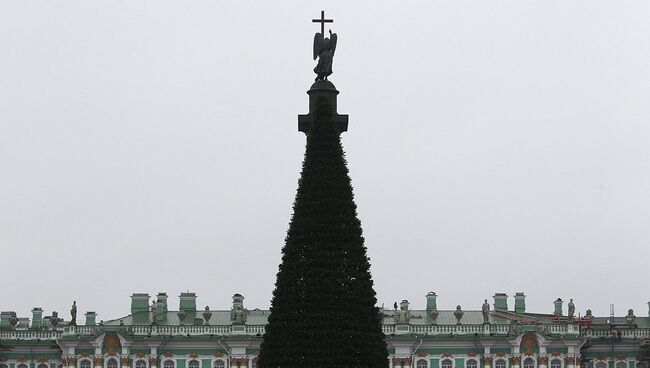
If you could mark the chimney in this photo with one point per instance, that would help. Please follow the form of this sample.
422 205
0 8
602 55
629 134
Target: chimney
5 320
188 302
431 301
37 317
558 307
91 317
648 309
501 302
139 303
520 303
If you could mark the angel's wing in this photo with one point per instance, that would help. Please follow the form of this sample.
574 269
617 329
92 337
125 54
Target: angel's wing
318 43
333 39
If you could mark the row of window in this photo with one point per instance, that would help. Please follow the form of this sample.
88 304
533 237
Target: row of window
503 363
139 363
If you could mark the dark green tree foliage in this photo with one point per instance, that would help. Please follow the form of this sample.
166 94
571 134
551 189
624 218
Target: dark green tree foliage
323 312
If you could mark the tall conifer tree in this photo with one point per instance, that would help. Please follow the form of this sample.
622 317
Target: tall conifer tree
323 312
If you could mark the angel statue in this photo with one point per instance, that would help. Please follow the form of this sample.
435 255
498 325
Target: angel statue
324 49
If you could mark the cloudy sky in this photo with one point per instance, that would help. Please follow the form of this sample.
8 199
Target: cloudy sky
494 146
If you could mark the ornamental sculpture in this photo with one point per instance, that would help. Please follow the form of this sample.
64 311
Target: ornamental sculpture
572 309
458 314
207 315
73 313
324 48
486 312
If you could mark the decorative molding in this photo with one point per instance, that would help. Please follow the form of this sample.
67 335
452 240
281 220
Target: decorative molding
153 361
543 360
571 360
111 354
98 361
194 355
515 360
2 359
218 354
529 342
422 354
500 354
397 362
602 356
447 354
23 359
621 357
472 354
243 361
126 361
140 354
487 360
556 353
168 354
84 354
407 361
42 359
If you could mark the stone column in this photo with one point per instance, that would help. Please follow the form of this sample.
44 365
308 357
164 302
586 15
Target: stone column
542 362
487 362
406 363
397 362
98 362
571 362
126 362
515 361
243 363
234 363
72 361
153 362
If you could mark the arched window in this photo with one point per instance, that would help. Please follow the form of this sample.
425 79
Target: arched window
556 363
421 363
2 365
111 363
446 363
140 363
641 365
42 365
169 364
471 363
621 364
500 363
21 365
529 363
219 363
84 363
601 365
193 364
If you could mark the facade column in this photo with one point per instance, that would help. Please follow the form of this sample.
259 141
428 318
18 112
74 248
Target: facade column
153 362
234 363
542 362
406 363
515 361
571 362
487 362
243 363
72 361
397 362
126 362
98 362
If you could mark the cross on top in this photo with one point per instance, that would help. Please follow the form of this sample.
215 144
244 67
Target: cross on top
322 22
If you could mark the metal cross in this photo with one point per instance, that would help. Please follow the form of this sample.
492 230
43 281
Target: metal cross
322 22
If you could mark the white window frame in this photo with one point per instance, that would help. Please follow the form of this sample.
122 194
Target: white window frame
627 364
4 365
84 360
453 362
42 365
162 364
552 360
643 365
532 359
601 361
192 360
135 363
22 365
426 361
117 360
214 361
500 359
478 364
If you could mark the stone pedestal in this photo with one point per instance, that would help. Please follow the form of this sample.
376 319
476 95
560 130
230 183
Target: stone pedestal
325 89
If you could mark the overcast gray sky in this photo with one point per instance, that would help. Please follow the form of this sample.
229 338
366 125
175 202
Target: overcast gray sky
494 146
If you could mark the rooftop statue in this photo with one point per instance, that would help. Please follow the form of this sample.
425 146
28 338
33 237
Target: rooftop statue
486 311
324 49
73 313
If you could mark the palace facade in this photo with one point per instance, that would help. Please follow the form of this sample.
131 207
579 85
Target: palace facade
154 336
